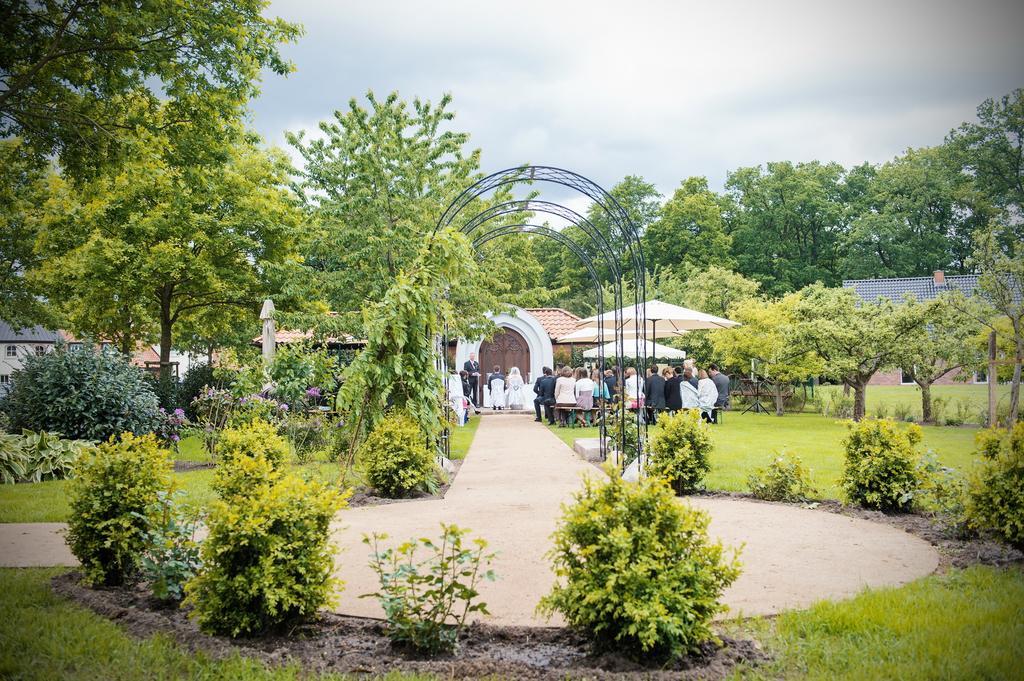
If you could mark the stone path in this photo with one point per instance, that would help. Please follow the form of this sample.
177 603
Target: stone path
509 490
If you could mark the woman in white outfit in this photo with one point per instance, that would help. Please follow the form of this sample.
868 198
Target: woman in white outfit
565 395
707 395
457 398
514 394
632 390
688 393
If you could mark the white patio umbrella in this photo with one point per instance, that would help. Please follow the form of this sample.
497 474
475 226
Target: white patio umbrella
655 350
591 334
660 316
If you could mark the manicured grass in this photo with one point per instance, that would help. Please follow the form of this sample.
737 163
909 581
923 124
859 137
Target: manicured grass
462 438
744 442
44 637
962 625
48 502
888 396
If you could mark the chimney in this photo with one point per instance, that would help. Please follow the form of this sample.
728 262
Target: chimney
939 278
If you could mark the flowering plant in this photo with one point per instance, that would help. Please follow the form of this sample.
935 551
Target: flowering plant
168 429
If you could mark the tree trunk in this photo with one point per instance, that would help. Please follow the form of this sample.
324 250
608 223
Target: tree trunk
926 399
780 401
860 389
166 324
846 389
1018 359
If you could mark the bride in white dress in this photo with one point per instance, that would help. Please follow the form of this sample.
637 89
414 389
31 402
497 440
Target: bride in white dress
515 391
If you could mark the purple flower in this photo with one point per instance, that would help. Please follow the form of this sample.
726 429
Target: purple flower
283 406
179 412
313 392
175 437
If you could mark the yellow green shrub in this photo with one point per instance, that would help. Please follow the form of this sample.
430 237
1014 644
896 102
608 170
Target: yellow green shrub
995 498
115 488
255 439
883 468
395 457
680 451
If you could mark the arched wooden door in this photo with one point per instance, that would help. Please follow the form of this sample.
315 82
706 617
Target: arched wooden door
507 349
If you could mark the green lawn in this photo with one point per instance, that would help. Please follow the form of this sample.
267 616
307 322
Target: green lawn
47 501
888 396
962 625
744 442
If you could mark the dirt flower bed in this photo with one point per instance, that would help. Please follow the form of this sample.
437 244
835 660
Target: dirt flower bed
954 552
342 644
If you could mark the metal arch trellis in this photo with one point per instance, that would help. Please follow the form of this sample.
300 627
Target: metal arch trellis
631 253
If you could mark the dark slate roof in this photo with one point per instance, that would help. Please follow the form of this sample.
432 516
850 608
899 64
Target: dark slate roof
36 334
922 288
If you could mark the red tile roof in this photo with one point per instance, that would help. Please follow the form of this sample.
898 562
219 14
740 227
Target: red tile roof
556 321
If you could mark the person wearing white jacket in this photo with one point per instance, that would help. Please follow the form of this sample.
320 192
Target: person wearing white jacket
688 393
707 395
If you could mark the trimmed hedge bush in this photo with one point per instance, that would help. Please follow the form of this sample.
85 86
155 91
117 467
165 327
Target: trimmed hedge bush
995 498
115 489
680 450
255 439
266 562
785 479
883 466
86 395
395 457
636 570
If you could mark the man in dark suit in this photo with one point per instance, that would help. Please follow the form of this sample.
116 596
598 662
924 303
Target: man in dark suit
544 388
654 394
472 367
673 399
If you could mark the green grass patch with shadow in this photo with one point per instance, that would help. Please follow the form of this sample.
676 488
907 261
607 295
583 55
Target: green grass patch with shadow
45 637
962 625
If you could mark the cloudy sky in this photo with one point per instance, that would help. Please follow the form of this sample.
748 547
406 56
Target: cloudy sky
661 89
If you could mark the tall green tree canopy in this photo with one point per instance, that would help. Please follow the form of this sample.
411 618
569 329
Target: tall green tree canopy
138 251
916 215
690 229
992 153
77 76
789 222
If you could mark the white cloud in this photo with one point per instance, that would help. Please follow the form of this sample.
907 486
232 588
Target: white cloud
661 89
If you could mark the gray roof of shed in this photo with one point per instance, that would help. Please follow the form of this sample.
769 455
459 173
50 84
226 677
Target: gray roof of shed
35 334
922 288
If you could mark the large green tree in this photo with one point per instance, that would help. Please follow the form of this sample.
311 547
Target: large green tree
789 223
78 77
690 229
991 151
141 250
916 215
854 338
942 346
23 191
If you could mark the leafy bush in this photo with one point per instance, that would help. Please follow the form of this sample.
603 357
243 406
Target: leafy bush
426 601
395 457
193 384
296 368
624 421
257 408
87 395
939 405
165 388
882 467
946 494
13 459
680 450
257 439
995 499
881 411
636 569
266 561
33 457
959 414
49 456
112 494
168 430
171 557
785 479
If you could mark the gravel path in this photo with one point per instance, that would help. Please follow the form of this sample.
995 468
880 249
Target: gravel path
509 490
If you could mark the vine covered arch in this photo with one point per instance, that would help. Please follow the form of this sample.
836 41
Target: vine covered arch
622 255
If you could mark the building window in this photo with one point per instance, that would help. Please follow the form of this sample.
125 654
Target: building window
40 350
4 378
12 350
906 377
981 377
74 347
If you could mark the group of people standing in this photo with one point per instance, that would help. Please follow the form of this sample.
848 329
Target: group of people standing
503 390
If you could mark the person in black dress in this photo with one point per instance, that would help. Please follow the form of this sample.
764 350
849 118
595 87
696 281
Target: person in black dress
654 394
673 399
